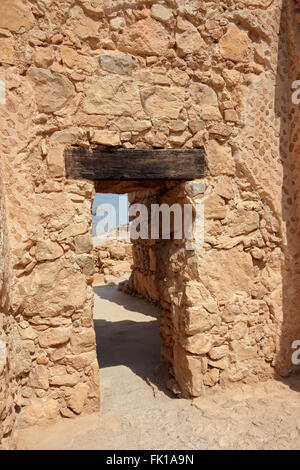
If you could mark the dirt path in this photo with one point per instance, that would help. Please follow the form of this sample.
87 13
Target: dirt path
136 415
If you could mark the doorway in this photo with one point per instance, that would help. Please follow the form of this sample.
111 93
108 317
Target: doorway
126 323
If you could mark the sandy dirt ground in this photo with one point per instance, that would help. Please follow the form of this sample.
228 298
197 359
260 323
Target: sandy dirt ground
138 412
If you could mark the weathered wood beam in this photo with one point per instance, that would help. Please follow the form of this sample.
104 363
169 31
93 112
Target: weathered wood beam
130 164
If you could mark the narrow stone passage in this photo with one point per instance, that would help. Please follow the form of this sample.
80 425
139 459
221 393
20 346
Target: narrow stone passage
128 348
138 413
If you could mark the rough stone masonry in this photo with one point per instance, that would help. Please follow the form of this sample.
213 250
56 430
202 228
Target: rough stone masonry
148 74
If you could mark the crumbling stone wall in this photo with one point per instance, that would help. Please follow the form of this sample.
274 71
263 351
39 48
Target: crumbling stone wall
143 74
113 260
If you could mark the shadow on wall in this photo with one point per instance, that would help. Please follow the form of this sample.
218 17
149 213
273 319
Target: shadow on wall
289 70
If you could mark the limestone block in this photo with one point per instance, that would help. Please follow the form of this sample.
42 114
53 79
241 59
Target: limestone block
77 61
180 77
117 64
203 113
218 352
255 3
108 138
188 371
219 159
86 263
83 243
82 25
221 364
73 230
43 57
83 341
162 102
196 126
92 121
28 333
245 222
125 124
226 272
117 251
52 90
47 250
65 380
80 361
235 45
189 41
54 337
145 37
78 398
203 94
177 126
7 51
243 352
38 378
113 95
224 187
257 253
199 343
231 115
220 129
21 356
15 14
55 161
70 136
161 13
231 77
212 377
197 320
195 293
215 207
40 411
179 139
209 113
238 331
117 23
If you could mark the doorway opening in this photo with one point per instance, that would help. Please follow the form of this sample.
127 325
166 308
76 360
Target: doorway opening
112 248
126 301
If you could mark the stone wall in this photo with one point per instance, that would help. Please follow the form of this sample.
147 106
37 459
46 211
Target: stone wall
9 354
47 292
217 323
143 279
143 74
113 261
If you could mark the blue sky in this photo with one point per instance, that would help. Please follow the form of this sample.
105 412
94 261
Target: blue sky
114 199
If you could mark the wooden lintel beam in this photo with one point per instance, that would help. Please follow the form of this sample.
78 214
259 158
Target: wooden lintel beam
130 164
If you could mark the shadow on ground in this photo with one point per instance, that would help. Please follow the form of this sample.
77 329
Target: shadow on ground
128 340
135 345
